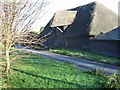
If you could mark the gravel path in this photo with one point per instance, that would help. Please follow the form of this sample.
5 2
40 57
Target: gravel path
82 64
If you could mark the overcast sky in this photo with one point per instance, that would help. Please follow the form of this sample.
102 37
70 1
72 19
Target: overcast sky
56 5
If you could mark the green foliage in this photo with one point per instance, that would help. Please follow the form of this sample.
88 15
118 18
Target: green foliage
112 81
118 82
37 72
88 55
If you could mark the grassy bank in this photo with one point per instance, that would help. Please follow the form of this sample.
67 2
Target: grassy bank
88 55
33 71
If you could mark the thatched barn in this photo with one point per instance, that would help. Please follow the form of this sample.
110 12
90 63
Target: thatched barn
74 28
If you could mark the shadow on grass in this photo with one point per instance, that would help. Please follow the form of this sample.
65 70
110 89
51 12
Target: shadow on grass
47 64
70 83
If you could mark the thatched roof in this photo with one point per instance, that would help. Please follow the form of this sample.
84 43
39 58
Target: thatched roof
111 35
63 18
91 19
104 20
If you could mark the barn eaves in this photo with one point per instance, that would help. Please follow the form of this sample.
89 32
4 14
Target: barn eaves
111 35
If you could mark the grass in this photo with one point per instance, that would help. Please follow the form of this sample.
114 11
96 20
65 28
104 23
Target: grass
33 71
88 56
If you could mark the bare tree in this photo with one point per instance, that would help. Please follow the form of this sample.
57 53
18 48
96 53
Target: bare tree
16 20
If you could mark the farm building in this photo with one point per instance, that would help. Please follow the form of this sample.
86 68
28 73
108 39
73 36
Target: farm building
77 28
107 43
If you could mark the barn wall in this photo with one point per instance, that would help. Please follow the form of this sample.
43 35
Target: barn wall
58 41
78 43
104 47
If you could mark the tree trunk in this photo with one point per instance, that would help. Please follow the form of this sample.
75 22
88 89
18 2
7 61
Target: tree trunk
7 57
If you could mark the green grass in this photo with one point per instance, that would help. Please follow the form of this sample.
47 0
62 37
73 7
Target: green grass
88 55
33 71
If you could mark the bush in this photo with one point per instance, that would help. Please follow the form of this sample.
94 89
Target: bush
112 81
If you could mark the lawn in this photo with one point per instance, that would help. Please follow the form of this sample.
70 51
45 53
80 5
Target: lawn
33 71
88 56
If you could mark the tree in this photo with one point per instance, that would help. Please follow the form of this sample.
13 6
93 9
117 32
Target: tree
16 20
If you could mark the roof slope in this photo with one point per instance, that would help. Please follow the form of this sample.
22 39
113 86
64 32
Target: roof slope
111 35
63 18
104 20
82 21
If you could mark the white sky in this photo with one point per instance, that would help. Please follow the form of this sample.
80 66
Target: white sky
56 5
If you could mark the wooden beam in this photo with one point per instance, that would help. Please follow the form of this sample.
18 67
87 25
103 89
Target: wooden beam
59 29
